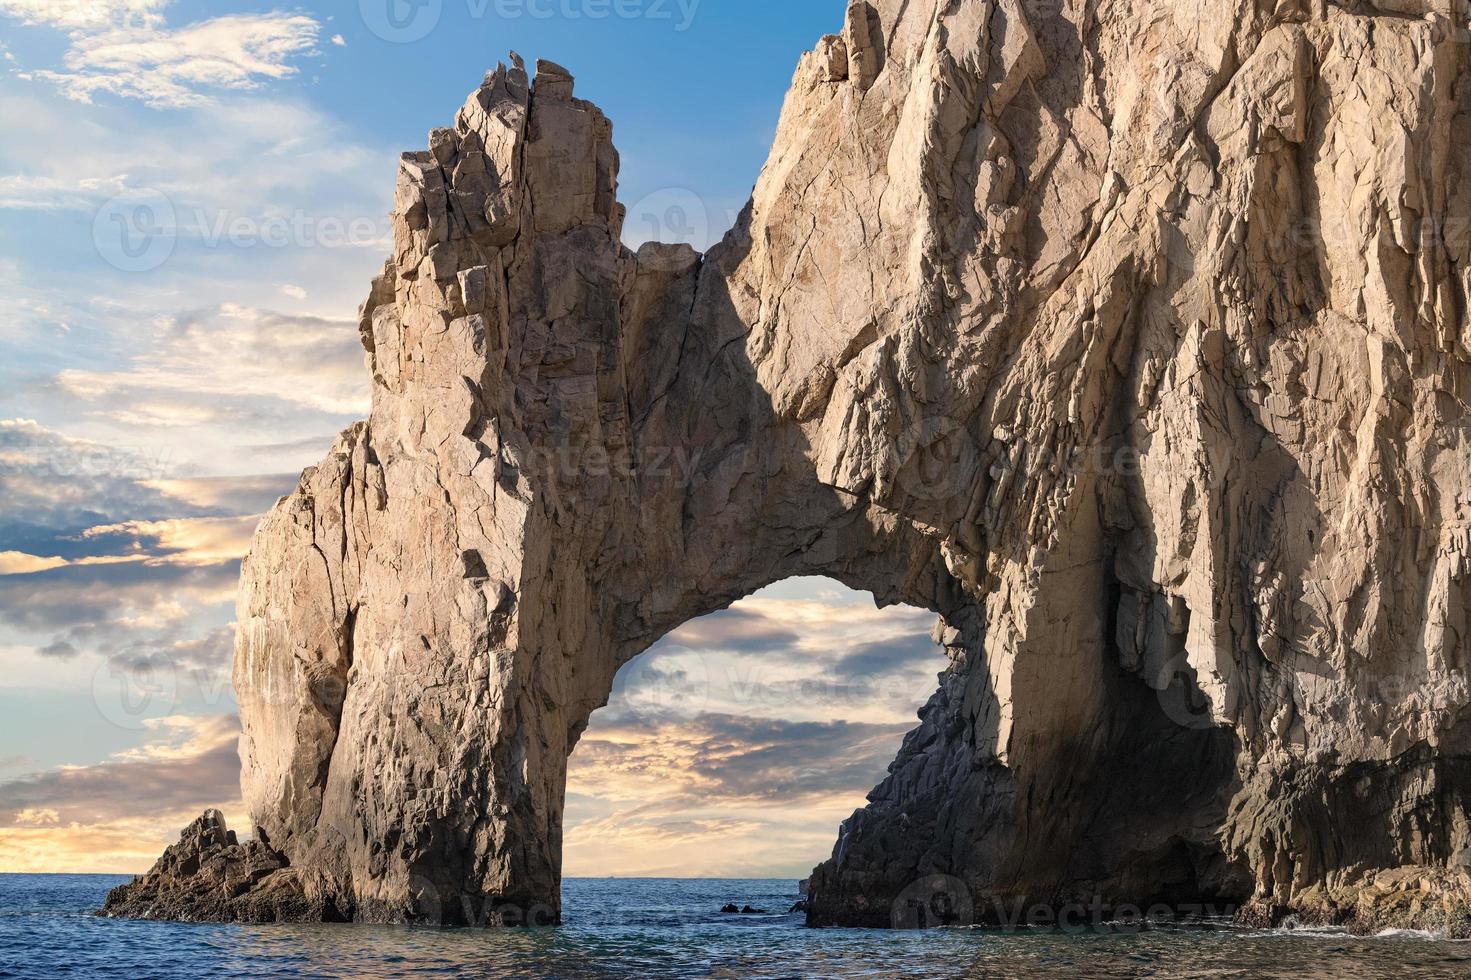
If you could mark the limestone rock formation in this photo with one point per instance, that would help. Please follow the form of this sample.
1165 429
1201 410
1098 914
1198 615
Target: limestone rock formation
1130 337
209 876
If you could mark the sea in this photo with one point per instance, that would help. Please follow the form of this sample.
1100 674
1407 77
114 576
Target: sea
657 928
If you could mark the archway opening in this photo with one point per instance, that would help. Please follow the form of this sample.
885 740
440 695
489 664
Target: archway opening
736 746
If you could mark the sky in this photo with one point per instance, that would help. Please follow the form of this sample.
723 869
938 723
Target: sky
161 386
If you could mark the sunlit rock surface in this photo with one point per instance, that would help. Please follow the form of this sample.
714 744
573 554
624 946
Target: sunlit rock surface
1130 337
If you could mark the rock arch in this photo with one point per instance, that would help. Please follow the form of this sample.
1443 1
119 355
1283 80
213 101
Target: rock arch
1021 325
741 739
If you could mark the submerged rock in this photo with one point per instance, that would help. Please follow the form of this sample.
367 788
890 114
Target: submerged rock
1131 339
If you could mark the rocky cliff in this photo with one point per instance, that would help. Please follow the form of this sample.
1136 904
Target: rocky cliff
1130 337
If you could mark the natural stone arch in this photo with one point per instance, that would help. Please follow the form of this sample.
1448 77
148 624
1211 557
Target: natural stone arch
1018 326
748 701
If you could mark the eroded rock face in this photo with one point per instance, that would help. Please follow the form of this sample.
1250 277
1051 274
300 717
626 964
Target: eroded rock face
210 876
1130 337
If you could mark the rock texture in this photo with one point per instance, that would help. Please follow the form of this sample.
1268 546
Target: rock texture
1131 337
209 876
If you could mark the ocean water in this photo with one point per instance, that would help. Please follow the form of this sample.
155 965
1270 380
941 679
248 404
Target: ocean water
657 928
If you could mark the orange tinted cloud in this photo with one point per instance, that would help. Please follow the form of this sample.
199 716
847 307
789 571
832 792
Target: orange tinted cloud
116 817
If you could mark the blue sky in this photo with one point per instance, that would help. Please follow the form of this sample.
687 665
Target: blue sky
161 385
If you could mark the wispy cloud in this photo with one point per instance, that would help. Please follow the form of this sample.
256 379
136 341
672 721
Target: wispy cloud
118 815
19 192
103 555
83 14
20 563
242 353
719 795
232 495
124 48
717 760
184 540
786 658
111 603
298 156
311 198
56 486
173 69
737 745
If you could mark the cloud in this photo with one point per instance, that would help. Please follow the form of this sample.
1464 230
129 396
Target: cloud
164 413
55 487
83 14
295 292
105 603
239 352
790 659
210 653
312 200
736 746
314 446
185 541
720 796
748 627
19 192
151 592
191 764
59 650
20 563
247 157
726 760
234 495
117 816
339 40
77 501
887 657
176 68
